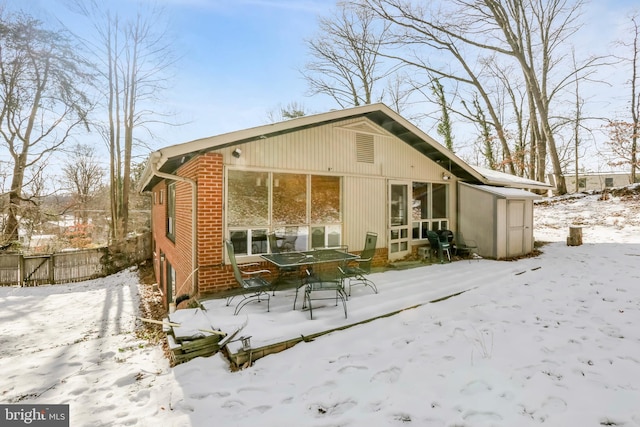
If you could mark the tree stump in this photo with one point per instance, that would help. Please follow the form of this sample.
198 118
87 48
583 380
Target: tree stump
575 236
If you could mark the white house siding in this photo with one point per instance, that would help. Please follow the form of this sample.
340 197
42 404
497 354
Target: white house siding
331 149
363 211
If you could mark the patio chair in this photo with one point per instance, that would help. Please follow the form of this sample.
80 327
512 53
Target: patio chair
289 239
318 288
283 272
254 287
446 234
273 242
462 246
356 274
439 244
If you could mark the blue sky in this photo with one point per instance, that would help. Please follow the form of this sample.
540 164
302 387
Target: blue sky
241 58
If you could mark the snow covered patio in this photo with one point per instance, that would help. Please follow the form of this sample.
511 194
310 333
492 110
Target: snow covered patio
398 290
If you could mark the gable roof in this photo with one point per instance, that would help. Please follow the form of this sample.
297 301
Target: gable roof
168 159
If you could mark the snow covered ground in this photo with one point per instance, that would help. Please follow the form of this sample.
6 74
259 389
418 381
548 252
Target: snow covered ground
550 340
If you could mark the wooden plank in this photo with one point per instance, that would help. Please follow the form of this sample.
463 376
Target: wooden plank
195 345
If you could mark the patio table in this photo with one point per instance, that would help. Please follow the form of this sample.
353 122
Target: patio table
308 259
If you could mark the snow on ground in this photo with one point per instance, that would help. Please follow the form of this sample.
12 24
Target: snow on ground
550 340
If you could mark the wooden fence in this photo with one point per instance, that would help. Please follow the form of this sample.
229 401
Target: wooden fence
72 266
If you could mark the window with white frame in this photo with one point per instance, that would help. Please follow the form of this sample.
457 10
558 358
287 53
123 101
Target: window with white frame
294 206
429 209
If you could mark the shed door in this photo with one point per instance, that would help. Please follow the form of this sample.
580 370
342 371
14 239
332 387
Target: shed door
398 220
515 228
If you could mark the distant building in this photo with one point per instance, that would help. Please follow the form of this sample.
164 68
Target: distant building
594 181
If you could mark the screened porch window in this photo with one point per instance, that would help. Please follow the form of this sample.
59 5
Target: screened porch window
430 208
294 206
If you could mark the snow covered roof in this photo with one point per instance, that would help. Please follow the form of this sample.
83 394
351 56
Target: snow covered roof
506 192
502 179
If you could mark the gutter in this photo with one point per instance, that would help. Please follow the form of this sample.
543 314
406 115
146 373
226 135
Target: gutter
154 160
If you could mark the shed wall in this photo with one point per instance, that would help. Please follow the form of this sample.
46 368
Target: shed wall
477 219
500 238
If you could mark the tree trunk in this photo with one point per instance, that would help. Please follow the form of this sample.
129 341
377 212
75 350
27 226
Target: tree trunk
575 236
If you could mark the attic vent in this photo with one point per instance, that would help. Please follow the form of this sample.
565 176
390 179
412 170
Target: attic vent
364 148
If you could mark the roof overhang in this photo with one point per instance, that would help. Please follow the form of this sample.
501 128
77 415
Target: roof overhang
167 160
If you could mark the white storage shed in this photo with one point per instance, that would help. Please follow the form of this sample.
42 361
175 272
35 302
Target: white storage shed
499 219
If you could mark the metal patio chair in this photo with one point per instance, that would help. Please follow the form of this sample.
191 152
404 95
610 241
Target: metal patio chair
318 288
463 246
283 272
355 272
254 287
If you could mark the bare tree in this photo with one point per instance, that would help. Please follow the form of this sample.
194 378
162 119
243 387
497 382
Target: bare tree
134 58
346 62
42 82
82 175
533 30
457 40
292 110
398 92
34 191
420 29
622 149
444 126
486 140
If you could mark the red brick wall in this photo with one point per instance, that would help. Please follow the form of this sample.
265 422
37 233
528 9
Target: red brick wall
161 244
178 251
212 275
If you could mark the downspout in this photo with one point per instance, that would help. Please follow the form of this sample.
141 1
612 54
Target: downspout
153 162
